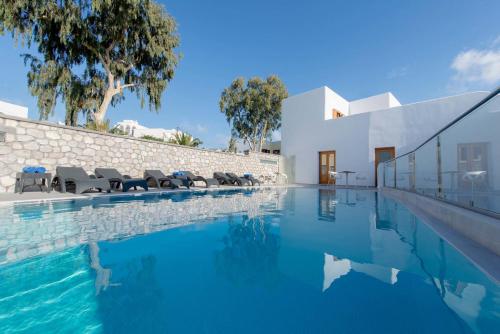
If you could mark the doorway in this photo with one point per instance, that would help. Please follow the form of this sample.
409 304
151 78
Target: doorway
327 164
383 154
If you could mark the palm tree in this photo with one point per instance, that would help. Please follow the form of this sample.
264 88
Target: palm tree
185 139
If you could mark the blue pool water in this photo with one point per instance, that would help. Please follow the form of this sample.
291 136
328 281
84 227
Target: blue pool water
287 260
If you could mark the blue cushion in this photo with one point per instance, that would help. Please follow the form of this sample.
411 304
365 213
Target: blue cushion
34 169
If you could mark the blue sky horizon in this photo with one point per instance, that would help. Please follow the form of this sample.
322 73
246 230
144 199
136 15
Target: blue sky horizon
417 50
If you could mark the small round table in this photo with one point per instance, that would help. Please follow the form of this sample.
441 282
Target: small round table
347 172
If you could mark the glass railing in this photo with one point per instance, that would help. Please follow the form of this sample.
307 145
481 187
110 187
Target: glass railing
460 164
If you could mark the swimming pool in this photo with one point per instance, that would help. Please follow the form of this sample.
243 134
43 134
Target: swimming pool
279 260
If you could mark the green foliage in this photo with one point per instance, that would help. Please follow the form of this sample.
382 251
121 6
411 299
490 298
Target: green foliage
101 127
118 131
185 139
92 50
148 137
253 109
231 147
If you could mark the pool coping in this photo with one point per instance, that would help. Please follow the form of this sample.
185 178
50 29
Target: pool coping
71 197
450 223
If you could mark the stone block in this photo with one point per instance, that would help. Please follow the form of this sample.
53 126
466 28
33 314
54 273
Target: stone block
24 138
32 145
52 135
66 137
4 149
37 133
46 149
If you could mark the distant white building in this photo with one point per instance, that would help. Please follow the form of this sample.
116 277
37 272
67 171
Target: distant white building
11 109
322 132
134 129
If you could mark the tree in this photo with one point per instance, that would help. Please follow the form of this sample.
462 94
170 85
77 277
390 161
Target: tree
231 146
93 50
185 139
253 109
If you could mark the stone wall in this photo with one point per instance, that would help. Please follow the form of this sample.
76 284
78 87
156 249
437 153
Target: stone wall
32 143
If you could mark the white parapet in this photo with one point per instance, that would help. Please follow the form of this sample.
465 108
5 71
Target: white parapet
11 109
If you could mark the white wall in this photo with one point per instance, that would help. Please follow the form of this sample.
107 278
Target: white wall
354 138
372 103
334 101
10 109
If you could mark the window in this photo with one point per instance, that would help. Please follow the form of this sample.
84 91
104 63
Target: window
336 114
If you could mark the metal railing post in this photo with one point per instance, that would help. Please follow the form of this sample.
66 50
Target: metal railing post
439 175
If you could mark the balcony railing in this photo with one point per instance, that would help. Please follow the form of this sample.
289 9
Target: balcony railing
460 164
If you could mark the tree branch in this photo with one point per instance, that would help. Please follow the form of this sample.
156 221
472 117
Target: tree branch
128 85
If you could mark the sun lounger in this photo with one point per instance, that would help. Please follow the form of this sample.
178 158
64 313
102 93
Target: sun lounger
222 178
252 179
160 180
116 179
77 178
194 178
235 179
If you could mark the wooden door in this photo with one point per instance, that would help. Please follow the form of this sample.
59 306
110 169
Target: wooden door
383 154
326 165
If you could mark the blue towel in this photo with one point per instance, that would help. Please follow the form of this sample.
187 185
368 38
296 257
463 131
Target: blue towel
178 173
247 174
34 169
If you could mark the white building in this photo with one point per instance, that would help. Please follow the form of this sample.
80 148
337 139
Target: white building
321 131
134 129
11 109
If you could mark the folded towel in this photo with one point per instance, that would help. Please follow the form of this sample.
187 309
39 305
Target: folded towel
247 174
178 173
34 169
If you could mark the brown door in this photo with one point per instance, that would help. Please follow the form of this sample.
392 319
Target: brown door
326 165
383 154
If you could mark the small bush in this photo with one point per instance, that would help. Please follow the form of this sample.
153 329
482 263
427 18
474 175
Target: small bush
148 137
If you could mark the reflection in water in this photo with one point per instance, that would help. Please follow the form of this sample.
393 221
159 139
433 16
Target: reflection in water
327 204
103 275
29 230
268 261
135 306
335 268
250 253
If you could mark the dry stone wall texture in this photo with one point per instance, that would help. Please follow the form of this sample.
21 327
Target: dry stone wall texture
32 143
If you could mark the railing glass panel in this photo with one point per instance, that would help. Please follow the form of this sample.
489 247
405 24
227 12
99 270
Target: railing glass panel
460 164
389 180
426 180
470 158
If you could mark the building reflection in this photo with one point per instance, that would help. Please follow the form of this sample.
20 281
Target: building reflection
327 204
334 268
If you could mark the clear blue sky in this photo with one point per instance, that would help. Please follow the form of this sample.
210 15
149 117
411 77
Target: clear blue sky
416 49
